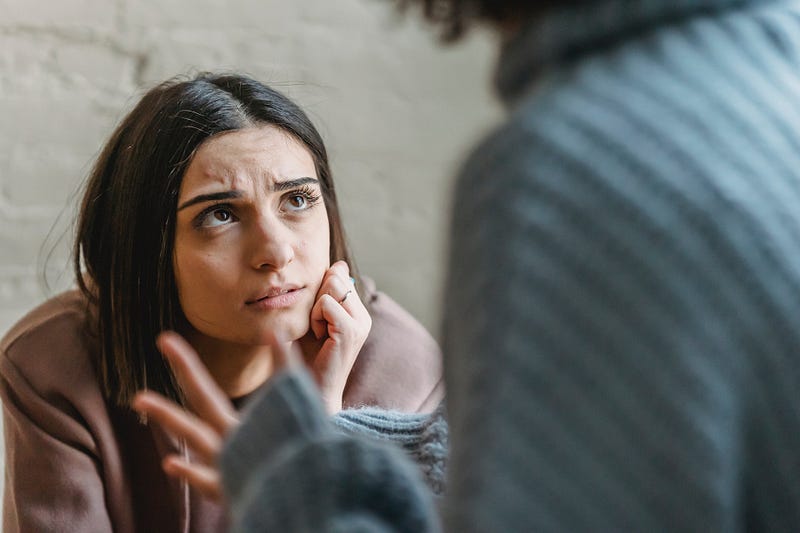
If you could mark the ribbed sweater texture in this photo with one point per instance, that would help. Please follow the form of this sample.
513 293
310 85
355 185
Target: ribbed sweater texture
290 467
622 313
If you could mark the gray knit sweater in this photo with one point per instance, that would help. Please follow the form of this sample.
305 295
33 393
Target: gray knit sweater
622 326
290 467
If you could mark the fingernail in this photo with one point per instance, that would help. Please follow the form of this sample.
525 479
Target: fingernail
353 280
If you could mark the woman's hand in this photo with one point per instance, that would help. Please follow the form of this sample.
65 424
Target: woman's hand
203 431
340 320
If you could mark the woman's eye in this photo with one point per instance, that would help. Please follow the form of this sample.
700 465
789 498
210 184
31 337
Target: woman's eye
297 202
301 199
217 217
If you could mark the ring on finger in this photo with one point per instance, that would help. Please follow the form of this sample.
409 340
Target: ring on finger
345 296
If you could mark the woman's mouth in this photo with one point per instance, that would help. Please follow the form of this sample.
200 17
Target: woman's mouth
276 298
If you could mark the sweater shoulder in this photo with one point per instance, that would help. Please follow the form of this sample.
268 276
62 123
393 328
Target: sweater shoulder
400 365
50 347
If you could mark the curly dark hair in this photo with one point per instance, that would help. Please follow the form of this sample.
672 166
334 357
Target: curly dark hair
455 17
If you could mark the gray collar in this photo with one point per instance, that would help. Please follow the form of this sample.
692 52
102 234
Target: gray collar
566 34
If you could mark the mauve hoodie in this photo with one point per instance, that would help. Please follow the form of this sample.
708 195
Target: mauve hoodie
77 463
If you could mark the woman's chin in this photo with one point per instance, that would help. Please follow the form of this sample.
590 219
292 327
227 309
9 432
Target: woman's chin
285 331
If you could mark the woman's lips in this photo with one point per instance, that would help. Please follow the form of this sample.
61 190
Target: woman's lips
278 301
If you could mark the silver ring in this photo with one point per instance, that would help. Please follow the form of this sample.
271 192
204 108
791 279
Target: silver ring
345 296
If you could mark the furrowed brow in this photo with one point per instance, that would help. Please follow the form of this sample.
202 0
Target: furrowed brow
212 197
291 184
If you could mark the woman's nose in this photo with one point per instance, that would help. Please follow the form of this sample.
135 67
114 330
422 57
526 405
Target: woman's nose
272 244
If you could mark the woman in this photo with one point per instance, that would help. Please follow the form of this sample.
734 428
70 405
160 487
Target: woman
211 211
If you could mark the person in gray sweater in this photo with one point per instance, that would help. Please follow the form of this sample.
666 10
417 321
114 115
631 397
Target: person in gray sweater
622 314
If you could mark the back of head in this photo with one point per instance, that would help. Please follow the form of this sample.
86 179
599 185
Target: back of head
456 17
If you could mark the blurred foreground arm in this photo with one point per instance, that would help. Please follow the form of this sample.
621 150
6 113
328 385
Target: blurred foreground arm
287 467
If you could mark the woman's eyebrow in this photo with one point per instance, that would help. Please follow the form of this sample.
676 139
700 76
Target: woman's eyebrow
225 195
291 184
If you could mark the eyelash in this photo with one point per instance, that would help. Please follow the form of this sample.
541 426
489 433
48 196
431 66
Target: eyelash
311 195
205 213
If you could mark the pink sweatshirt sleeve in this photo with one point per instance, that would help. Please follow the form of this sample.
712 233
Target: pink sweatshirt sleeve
52 478
63 470
400 364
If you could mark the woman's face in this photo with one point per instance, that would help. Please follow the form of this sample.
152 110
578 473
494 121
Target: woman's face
252 241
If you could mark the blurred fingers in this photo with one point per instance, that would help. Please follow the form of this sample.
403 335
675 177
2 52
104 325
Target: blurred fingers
203 478
206 398
199 436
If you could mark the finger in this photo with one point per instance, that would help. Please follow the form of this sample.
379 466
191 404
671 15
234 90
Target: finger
336 281
203 478
202 392
345 330
339 289
199 436
333 286
338 269
358 310
338 320
350 300
333 363
341 268
337 286
318 325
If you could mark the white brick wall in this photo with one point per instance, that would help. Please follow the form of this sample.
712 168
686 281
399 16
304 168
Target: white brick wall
397 113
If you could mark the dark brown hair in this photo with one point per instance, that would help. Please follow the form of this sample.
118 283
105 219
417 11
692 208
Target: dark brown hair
455 17
126 226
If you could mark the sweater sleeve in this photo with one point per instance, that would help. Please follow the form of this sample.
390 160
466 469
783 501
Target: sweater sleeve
423 437
287 468
400 365
52 473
